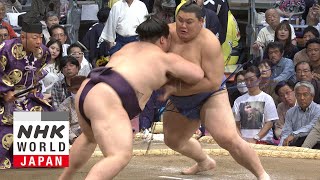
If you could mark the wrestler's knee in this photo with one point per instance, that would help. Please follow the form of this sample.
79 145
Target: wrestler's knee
123 157
228 142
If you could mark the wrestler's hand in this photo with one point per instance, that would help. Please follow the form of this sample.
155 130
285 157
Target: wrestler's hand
168 90
9 96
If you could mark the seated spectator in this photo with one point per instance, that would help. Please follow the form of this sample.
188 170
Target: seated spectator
286 94
255 111
91 38
266 84
313 15
69 66
300 119
308 33
52 67
266 34
283 35
288 7
239 88
11 3
313 52
282 68
58 32
313 138
51 19
4 33
12 34
68 105
304 73
76 51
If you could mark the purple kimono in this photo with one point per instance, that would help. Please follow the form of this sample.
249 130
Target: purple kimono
18 71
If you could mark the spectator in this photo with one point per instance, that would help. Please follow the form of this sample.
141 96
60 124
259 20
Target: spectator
121 25
288 7
282 68
266 34
91 38
266 84
286 94
255 111
313 52
11 3
313 138
68 106
52 67
308 33
300 119
304 73
12 34
76 51
69 66
240 89
40 8
4 33
283 35
58 32
51 19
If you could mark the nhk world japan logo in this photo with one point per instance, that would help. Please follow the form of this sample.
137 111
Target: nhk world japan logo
41 139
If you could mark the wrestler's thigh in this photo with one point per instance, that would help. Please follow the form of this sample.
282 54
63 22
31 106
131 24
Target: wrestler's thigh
113 132
218 117
178 126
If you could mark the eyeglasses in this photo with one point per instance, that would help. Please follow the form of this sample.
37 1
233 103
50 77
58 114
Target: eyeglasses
76 53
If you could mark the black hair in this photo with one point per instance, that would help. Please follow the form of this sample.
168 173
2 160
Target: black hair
103 14
265 61
70 59
191 6
255 70
302 62
58 59
314 40
58 26
282 84
275 45
311 29
152 29
242 73
74 45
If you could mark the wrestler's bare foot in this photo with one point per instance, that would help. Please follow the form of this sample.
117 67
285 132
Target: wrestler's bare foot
265 176
205 165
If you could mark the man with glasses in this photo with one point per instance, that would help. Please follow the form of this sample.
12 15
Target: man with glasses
4 33
76 51
58 32
300 119
304 73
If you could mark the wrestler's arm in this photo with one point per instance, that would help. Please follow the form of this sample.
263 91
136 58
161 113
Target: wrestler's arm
212 64
182 69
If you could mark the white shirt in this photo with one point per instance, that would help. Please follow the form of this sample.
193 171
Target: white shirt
124 19
266 35
53 76
85 67
259 109
65 49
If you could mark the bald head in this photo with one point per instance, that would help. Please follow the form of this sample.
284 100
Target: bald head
272 18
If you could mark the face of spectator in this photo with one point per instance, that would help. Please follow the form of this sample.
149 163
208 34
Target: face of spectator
286 95
58 34
251 80
274 55
4 35
77 53
265 70
283 33
2 10
304 96
308 35
70 70
303 72
200 3
272 18
52 20
188 25
313 52
31 41
54 50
